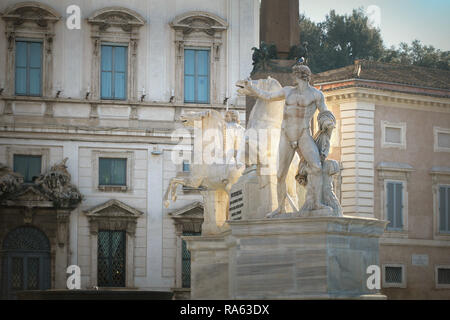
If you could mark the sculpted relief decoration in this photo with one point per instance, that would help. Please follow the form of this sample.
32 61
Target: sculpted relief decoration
53 186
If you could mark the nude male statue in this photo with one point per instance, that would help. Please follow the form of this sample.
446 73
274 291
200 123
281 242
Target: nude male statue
301 101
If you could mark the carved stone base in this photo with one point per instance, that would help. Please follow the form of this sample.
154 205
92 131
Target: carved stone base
325 212
296 258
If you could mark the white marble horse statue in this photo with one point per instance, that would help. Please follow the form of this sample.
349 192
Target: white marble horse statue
213 169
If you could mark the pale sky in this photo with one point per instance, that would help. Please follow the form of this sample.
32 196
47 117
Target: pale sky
400 20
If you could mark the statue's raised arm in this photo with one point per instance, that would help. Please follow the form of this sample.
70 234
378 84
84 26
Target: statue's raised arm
249 89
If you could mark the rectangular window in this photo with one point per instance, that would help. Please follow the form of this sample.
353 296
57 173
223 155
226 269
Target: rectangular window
112 171
28 77
393 274
111 258
444 209
28 166
443 276
196 76
394 205
186 261
443 140
393 135
113 72
186 166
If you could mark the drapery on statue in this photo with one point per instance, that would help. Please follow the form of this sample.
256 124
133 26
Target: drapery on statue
301 102
215 178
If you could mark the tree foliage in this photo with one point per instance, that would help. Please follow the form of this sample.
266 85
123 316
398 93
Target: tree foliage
418 54
341 39
262 55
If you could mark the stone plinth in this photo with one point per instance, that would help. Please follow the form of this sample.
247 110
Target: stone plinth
296 258
209 266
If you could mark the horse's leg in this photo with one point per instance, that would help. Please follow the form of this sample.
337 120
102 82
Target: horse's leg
171 189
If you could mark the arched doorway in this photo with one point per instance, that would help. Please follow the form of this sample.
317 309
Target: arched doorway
25 261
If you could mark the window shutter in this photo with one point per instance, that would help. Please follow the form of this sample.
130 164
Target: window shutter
35 58
118 171
34 167
447 209
189 75
196 76
390 205
120 65
398 205
444 197
202 76
106 76
21 67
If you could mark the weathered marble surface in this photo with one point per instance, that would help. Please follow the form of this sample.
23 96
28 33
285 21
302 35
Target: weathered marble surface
292 258
209 266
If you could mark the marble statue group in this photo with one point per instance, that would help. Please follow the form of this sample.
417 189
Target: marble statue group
288 112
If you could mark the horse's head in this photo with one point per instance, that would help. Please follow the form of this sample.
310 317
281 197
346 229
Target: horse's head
189 118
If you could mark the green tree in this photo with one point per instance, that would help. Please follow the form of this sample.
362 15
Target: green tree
418 54
341 39
338 41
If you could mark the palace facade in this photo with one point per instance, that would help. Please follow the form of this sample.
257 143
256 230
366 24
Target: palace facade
87 117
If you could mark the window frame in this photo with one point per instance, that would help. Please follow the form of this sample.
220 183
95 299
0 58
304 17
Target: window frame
436 131
113 215
28 41
440 176
196 76
394 182
385 284
115 25
27 155
128 155
124 247
12 150
112 184
203 30
404 205
394 172
30 21
113 46
439 186
397 125
437 284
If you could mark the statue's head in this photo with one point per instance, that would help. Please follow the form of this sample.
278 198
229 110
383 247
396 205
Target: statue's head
232 116
301 73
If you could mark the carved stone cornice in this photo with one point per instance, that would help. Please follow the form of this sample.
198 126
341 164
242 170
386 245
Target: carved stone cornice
394 170
113 215
387 97
121 17
52 189
188 218
39 13
199 21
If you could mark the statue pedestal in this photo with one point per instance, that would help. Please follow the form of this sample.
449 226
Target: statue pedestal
294 258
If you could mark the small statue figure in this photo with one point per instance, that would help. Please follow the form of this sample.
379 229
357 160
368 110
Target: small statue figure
233 138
